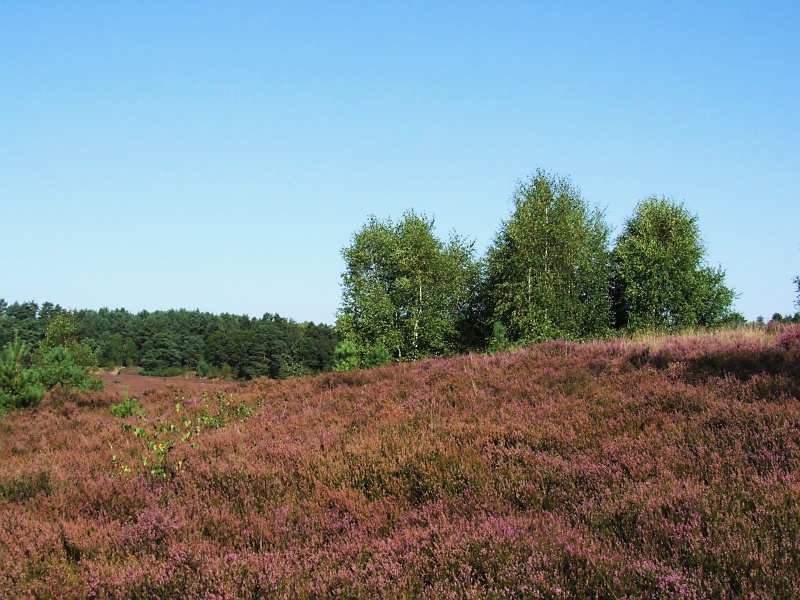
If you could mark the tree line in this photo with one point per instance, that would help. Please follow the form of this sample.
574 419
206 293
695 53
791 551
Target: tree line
551 272
176 341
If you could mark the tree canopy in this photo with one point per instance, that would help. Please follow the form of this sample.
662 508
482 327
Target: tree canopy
547 272
660 279
404 289
171 342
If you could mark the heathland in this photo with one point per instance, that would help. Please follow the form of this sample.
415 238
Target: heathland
655 467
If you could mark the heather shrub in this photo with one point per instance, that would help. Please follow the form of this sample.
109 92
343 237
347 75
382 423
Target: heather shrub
151 533
656 468
790 340
18 489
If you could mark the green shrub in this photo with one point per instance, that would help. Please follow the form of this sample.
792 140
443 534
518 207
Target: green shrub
377 356
129 407
345 357
226 372
59 367
203 368
19 386
164 371
499 340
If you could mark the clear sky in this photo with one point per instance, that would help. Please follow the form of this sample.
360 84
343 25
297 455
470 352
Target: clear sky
219 155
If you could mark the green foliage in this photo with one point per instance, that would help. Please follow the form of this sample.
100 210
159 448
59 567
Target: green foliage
25 321
660 280
405 289
786 319
407 294
378 355
547 272
231 346
290 368
345 357
734 319
203 368
62 332
172 342
19 386
499 340
58 367
157 439
129 407
62 359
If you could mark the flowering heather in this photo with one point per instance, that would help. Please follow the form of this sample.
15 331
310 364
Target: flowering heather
660 468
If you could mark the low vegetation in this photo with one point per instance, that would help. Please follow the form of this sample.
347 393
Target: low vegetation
663 467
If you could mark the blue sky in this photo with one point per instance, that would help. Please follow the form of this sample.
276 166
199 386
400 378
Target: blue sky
219 155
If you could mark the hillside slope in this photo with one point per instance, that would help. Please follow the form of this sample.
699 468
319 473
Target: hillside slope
660 468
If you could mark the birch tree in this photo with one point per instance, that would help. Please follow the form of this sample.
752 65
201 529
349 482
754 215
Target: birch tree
405 289
660 279
547 273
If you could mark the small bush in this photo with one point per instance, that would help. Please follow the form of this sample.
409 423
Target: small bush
129 407
203 368
19 386
345 357
58 367
789 340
